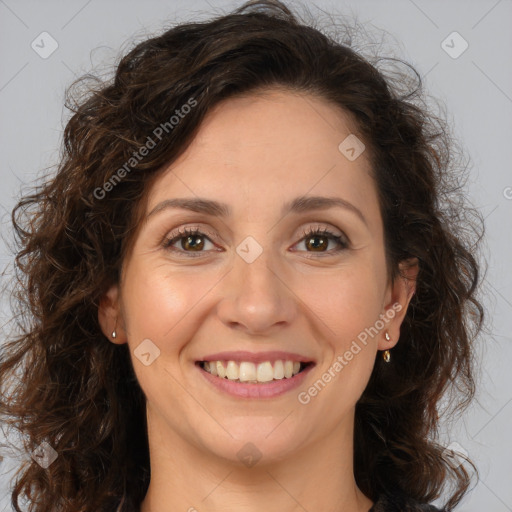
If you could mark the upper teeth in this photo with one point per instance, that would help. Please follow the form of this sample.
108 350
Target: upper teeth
247 371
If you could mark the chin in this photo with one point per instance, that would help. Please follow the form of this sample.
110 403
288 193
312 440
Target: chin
262 442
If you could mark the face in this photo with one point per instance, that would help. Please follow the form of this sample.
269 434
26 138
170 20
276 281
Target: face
304 280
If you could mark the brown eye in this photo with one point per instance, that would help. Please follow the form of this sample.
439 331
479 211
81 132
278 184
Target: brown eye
190 241
318 240
317 245
193 242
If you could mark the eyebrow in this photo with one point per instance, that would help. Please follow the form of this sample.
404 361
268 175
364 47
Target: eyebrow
298 205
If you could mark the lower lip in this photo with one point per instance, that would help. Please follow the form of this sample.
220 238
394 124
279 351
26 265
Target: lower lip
264 390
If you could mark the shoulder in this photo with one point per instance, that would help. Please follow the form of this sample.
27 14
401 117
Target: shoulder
401 503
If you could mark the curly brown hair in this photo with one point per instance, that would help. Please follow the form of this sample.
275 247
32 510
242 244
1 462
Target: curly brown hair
79 393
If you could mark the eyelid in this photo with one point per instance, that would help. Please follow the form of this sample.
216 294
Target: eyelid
323 229
184 231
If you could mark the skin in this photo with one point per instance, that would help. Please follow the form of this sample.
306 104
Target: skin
255 153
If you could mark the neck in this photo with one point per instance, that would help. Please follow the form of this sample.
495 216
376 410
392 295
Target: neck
316 476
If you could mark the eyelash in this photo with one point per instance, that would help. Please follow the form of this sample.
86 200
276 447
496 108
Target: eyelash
341 240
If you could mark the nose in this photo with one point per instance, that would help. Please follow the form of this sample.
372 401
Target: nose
258 297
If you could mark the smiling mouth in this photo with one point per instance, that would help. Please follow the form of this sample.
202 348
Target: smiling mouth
251 373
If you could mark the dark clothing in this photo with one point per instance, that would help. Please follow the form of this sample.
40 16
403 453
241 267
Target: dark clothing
400 503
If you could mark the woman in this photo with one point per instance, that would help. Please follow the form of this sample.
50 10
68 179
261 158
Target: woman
243 285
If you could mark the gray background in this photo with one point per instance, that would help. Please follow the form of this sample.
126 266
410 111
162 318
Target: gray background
476 88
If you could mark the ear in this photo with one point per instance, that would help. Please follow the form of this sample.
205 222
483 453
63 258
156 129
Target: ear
110 318
398 296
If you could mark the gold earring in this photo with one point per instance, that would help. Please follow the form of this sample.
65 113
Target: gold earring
386 356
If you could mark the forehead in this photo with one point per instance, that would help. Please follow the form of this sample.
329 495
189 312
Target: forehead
268 147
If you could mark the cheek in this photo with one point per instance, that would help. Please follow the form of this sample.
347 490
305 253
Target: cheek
349 310
347 300
160 301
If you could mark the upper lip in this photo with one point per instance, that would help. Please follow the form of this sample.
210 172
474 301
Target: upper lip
257 357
